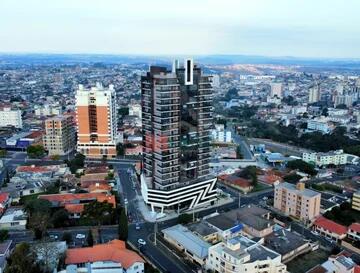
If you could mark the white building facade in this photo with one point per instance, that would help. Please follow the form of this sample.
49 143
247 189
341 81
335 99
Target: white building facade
10 117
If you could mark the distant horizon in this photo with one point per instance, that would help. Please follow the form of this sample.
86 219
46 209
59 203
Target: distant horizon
180 55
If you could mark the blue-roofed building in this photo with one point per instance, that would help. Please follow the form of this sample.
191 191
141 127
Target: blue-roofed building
191 245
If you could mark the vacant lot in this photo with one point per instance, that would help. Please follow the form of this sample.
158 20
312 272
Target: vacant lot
307 261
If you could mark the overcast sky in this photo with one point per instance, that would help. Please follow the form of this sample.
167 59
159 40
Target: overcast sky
302 28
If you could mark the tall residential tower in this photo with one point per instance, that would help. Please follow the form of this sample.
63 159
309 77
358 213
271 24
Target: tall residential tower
96 121
177 121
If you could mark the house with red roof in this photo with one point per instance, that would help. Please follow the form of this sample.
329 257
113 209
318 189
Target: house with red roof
74 203
237 182
330 229
354 231
5 201
104 258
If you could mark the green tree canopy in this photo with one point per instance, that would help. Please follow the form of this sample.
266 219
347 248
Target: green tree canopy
123 226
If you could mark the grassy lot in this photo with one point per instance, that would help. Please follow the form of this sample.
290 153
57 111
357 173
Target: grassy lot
307 261
260 187
24 199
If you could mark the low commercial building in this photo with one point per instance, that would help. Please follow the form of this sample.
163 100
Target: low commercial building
288 244
297 201
330 229
195 248
103 258
13 219
241 254
336 158
204 231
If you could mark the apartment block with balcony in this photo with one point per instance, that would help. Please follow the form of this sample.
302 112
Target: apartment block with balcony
59 138
177 121
297 201
241 254
96 121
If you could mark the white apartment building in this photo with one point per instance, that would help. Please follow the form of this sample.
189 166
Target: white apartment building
10 117
48 110
241 254
336 158
219 134
135 110
321 125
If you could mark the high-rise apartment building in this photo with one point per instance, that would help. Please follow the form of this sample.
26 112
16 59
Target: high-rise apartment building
297 201
177 122
96 121
10 117
314 93
276 90
59 138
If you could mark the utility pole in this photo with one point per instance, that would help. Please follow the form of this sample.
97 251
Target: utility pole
155 231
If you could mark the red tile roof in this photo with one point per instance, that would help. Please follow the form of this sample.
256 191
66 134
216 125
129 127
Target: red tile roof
33 169
74 208
355 227
330 225
4 196
68 198
114 251
235 180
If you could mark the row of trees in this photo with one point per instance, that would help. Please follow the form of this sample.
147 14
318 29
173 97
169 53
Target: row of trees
315 141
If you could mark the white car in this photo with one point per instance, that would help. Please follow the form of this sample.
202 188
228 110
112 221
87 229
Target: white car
315 232
126 201
141 242
80 236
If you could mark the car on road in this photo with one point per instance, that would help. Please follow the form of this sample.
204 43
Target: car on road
53 237
315 232
137 226
80 236
141 242
126 201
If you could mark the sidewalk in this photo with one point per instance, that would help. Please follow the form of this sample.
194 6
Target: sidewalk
150 216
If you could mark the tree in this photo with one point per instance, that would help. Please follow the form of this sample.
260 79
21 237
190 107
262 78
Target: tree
98 212
4 235
60 218
22 260
184 218
55 157
67 237
37 205
250 172
76 163
3 152
123 226
124 111
90 238
35 151
302 166
120 149
39 222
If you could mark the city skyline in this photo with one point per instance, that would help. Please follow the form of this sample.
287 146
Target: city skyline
266 28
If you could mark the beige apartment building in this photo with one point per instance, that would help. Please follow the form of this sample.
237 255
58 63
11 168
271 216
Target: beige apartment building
297 201
96 121
59 138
